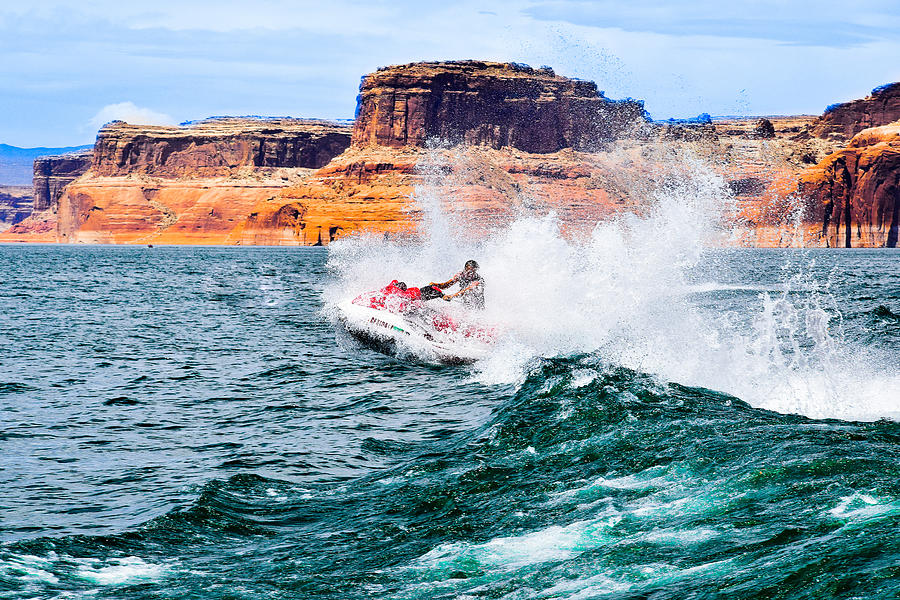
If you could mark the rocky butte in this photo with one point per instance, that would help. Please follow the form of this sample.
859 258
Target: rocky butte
487 140
216 147
497 105
188 184
53 173
845 120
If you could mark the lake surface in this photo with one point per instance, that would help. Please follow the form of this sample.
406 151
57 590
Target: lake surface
186 422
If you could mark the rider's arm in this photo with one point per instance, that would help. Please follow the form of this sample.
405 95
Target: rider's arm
471 286
445 284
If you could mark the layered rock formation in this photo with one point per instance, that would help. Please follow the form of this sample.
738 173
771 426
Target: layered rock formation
15 205
375 190
538 119
53 173
188 184
856 191
483 103
372 186
123 210
216 147
508 138
849 118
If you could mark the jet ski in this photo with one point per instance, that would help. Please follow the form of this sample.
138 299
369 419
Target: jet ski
400 321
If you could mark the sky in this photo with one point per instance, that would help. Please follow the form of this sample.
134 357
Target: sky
69 67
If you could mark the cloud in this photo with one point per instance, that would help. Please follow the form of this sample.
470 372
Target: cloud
130 113
827 23
64 59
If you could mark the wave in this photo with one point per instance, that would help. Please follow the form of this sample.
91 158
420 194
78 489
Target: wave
15 387
886 313
591 479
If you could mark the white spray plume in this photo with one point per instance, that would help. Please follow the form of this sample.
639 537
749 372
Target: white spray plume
628 293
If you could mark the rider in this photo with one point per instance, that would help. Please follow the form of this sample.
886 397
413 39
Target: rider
471 286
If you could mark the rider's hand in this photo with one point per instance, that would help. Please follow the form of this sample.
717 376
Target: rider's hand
447 298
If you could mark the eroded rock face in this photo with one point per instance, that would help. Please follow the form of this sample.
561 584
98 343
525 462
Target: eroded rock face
53 173
483 103
763 129
855 192
119 210
374 189
216 147
15 205
849 118
187 184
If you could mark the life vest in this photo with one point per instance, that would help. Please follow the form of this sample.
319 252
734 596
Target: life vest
392 298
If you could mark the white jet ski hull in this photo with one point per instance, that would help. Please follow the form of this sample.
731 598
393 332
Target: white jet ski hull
395 335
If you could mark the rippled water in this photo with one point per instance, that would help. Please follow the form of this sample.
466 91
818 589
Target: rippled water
185 422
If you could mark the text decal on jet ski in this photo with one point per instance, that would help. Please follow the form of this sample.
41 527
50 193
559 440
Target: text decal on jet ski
386 325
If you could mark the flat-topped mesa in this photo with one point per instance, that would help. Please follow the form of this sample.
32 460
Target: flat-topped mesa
487 103
216 147
53 173
849 118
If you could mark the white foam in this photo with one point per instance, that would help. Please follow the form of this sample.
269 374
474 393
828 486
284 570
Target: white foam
583 377
679 537
629 293
117 571
551 544
631 579
28 568
859 507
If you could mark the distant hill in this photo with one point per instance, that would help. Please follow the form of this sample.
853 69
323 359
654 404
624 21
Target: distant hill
16 164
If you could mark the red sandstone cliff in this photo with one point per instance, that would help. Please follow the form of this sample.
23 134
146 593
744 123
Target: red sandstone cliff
188 184
849 118
216 147
372 189
51 176
509 135
484 103
53 173
856 191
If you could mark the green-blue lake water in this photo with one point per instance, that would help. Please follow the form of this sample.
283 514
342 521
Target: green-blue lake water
186 422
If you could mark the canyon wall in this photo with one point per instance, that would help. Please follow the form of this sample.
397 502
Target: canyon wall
15 205
497 128
520 136
849 118
855 192
483 103
191 184
120 210
216 147
53 173
374 190
488 141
